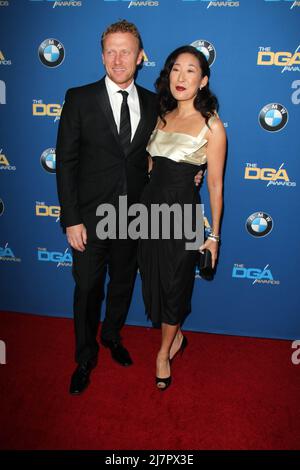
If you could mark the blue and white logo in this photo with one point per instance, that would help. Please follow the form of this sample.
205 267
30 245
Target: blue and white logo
210 4
207 49
273 117
254 274
259 224
51 53
131 3
60 259
56 3
48 160
7 254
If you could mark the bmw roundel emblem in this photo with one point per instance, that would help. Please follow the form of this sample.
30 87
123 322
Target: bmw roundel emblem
207 48
1 207
48 160
51 53
273 117
259 224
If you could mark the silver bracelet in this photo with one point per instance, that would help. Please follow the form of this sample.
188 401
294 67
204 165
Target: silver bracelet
215 238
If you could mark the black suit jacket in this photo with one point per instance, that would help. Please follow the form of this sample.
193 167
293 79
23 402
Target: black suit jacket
91 167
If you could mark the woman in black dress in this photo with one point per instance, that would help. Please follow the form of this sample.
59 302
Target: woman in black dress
189 136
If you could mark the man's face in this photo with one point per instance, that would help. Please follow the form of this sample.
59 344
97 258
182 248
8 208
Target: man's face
121 55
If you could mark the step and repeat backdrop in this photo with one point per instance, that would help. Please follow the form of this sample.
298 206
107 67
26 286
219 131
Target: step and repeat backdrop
253 48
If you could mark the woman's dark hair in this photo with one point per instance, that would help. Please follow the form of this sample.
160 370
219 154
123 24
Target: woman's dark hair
205 102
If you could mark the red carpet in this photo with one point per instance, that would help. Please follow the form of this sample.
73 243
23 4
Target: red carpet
227 393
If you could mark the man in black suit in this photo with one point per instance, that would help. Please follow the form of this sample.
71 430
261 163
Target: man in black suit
103 132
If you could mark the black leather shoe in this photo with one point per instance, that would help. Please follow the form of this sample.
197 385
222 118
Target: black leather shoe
118 352
81 377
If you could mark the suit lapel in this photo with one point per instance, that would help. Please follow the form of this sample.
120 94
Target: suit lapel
104 103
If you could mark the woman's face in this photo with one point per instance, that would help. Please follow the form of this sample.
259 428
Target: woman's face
186 77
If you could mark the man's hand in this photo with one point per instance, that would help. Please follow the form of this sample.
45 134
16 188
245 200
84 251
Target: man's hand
198 177
77 236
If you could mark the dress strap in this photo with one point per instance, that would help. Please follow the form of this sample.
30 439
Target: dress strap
157 124
205 127
202 132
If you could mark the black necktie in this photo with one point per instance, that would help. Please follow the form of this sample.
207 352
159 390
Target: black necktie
125 126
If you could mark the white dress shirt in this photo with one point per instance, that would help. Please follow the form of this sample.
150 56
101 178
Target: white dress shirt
116 100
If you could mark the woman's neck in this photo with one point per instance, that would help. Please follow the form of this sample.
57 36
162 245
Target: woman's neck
185 109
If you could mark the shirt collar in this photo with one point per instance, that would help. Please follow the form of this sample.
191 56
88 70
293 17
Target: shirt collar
114 88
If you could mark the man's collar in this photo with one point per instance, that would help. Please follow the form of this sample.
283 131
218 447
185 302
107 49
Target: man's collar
114 88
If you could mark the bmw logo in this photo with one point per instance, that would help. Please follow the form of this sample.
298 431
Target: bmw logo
259 224
51 52
1 207
48 160
207 49
273 117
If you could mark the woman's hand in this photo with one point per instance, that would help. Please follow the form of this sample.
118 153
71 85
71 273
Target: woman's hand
150 164
198 177
213 247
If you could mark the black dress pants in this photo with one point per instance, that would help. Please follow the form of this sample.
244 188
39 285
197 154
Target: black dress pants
89 267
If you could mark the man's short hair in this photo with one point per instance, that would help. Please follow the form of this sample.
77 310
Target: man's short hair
122 26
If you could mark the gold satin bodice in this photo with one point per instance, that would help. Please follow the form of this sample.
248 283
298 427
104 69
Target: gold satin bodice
178 146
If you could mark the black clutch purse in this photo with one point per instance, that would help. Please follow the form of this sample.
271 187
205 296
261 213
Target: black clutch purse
205 265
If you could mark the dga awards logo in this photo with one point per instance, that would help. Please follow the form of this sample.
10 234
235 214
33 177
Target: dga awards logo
1 207
41 109
51 53
44 210
4 3
4 163
147 62
207 48
2 92
257 275
292 3
273 117
137 4
48 160
289 61
55 3
216 4
57 257
3 60
270 176
7 254
259 224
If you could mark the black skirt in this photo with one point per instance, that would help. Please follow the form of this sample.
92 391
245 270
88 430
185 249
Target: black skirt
167 268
